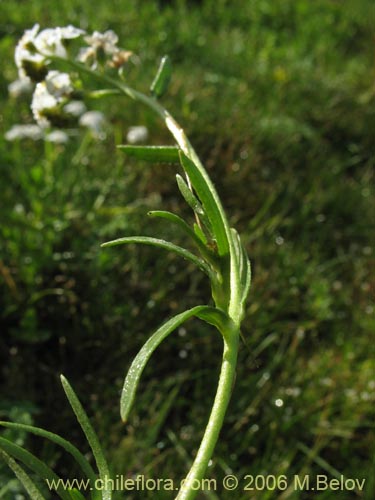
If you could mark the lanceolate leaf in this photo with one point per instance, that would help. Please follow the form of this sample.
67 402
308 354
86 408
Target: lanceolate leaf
209 314
154 154
192 201
243 264
23 477
200 234
33 463
160 84
90 434
209 202
146 240
175 219
70 448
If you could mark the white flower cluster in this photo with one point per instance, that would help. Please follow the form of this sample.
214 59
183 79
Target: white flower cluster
33 49
56 100
51 102
102 48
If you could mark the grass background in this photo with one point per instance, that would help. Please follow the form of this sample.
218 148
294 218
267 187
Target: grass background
278 97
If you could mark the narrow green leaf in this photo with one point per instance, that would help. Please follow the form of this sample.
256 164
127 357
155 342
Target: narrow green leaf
33 463
160 416
200 234
23 477
66 445
154 154
215 317
135 371
189 196
193 202
244 266
209 202
175 219
146 240
161 81
189 231
76 495
90 434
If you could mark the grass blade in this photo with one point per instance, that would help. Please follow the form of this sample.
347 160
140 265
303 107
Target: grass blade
66 445
209 314
33 463
154 154
166 245
23 477
90 434
76 495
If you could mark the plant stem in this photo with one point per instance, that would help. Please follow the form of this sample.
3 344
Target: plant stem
231 284
194 478
189 490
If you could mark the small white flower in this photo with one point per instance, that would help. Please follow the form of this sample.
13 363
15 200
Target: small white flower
42 101
20 87
93 120
49 43
99 44
33 49
106 41
33 132
75 108
57 137
86 54
69 32
137 134
58 84
26 53
50 40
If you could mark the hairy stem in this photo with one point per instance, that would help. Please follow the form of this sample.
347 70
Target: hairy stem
197 471
231 287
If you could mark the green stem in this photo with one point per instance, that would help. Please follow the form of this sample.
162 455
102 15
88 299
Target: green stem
231 337
197 471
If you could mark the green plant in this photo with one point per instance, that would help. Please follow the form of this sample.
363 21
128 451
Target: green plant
221 255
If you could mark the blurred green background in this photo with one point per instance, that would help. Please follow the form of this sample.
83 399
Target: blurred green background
278 97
